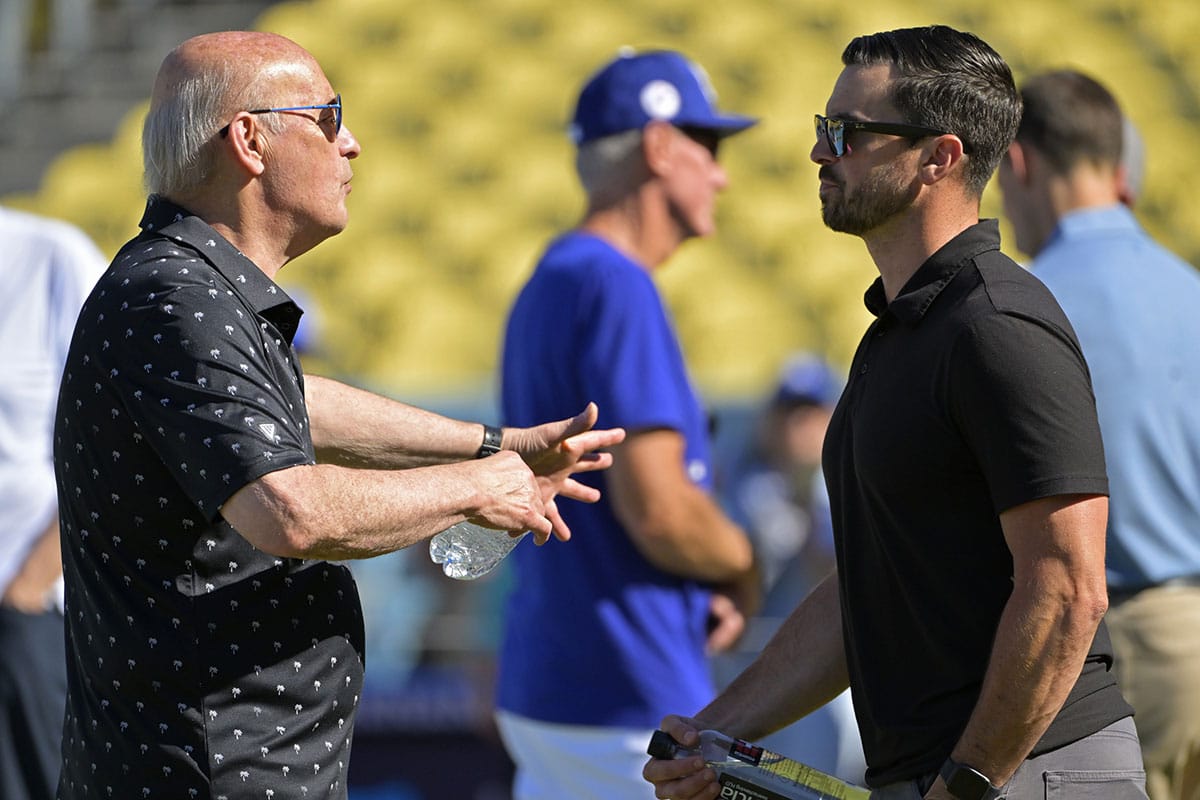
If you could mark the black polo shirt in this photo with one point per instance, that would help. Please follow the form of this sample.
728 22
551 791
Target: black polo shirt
199 666
968 395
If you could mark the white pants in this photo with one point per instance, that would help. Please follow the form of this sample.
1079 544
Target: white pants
582 762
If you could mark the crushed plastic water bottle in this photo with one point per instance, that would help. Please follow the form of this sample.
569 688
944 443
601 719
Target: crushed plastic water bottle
467 551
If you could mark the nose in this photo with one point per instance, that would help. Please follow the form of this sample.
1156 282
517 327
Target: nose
348 146
720 176
821 152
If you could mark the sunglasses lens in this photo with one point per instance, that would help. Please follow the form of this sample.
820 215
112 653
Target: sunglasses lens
832 130
836 134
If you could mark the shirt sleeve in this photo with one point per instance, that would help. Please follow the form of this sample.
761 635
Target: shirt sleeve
194 368
1022 398
632 365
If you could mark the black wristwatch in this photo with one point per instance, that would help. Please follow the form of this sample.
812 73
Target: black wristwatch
491 441
967 783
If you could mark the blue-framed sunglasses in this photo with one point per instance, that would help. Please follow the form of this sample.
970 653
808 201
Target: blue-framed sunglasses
834 130
335 104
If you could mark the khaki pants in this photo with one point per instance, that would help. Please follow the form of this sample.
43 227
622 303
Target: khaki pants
1156 638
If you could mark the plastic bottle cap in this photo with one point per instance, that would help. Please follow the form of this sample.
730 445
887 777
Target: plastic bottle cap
662 745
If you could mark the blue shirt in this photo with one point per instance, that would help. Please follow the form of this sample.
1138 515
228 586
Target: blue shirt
595 634
1136 310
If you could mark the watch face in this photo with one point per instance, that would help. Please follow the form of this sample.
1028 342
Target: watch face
967 784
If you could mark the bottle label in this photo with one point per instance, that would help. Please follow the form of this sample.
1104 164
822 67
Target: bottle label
744 751
732 788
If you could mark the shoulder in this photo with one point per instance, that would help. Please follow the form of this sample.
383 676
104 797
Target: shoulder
592 269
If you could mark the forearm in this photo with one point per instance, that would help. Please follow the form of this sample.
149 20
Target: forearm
690 536
802 668
356 428
334 513
1040 646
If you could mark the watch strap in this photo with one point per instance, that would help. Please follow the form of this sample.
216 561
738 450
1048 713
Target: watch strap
492 437
967 783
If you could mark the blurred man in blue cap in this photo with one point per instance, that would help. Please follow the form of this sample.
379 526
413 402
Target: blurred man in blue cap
657 575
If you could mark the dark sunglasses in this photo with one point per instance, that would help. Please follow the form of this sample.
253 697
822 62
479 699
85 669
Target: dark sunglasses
707 138
834 130
335 104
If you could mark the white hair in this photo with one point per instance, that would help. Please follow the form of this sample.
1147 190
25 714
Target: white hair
606 165
178 147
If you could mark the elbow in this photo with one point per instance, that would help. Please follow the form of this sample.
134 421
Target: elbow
1085 607
273 515
1092 602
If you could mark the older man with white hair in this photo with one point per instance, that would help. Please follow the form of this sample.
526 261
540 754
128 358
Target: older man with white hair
207 484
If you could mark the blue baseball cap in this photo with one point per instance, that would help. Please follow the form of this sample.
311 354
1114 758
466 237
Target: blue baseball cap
807 380
635 89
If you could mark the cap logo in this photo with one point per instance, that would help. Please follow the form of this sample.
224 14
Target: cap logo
660 100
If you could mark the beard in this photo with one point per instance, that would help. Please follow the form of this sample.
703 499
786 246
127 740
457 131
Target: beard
882 195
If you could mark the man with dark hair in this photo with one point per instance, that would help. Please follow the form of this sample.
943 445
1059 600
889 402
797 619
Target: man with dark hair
965 472
1133 305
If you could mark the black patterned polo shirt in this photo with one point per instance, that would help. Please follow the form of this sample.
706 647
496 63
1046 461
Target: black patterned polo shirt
199 666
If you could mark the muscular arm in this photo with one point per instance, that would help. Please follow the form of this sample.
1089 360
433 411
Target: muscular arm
801 668
675 524
1058 600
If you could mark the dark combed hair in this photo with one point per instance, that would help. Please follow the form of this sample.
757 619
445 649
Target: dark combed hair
951 81
1070 118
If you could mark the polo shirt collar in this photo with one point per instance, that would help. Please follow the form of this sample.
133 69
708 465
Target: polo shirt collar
263 295
935 274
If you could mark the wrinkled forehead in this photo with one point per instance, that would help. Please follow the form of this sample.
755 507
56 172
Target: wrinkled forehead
863 93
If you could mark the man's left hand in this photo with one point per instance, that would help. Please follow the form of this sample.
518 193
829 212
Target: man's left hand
557 450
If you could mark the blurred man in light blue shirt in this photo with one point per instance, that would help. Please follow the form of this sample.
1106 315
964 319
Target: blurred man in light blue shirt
1134 307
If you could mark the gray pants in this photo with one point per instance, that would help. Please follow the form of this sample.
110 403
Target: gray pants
1104 766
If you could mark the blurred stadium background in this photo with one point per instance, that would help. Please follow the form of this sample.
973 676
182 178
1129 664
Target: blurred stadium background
460 106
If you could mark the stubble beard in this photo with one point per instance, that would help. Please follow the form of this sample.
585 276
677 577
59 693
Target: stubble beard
881 196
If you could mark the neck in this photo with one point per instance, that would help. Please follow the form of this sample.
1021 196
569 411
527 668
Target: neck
241 223
1084 187
901 246
638 226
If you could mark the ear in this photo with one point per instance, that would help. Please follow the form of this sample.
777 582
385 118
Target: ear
245 143
658 142
1019 162
1125 192
944 157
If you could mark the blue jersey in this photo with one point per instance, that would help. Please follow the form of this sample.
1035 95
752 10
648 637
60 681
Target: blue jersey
595 634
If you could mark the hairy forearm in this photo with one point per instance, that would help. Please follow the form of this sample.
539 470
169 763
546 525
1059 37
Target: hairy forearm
356 428
329 512
1041 642
802 668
